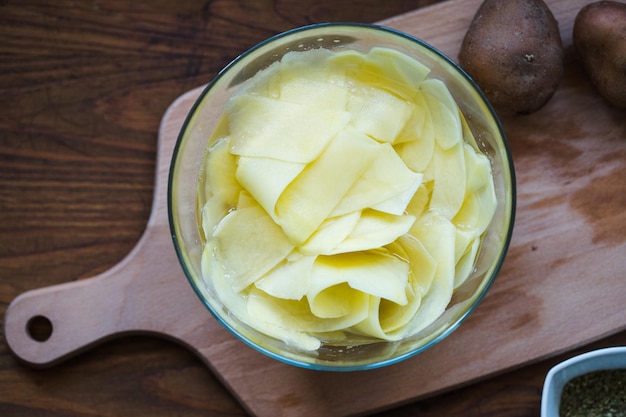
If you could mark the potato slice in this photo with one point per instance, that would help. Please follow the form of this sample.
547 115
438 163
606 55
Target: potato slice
374 229
393 318
212 213
289 279
216 282
249 245
266 179
478 169
449 180
296 317
271 128
257 309
480 200
468 135
416 143
438 236
246 200
219 173
336 301
419 201
390 70
465 264
330 234
386 182
464 238
420 122
265 82
372 272
303 91
477 210
299 339
313 65
347 62
371 325
377 113
311 197
398 204
423 264
444 112
398 72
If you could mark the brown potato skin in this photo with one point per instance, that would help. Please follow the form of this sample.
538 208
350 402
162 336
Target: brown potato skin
600 38
513 50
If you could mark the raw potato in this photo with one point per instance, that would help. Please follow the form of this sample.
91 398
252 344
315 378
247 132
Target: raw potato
600 39
514 52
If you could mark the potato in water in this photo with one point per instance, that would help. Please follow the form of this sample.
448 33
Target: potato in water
342 196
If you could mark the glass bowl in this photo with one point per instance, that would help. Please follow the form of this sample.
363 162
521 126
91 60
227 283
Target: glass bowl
201 122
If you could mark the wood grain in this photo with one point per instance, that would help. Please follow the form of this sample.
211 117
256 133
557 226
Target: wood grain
83 90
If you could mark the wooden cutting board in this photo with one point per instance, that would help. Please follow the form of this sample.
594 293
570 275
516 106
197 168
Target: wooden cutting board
563 283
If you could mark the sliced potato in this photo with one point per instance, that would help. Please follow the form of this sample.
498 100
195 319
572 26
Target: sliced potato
249 245
312 196
450 181
355 199
277 129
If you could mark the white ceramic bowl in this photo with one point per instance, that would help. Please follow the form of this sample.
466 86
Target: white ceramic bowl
559 375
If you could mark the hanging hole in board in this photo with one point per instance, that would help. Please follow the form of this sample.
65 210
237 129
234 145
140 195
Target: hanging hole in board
39 328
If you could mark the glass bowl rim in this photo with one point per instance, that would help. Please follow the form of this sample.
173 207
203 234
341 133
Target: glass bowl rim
507 156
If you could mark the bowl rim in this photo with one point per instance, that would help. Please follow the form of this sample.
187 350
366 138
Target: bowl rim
506 238
560 374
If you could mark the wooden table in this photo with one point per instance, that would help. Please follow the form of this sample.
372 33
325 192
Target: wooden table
83 88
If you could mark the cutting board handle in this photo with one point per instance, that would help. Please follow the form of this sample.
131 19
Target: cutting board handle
46 325
135 296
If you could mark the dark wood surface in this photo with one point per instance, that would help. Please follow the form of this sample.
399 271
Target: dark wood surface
83 87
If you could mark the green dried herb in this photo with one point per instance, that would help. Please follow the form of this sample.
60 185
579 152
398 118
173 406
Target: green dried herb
595 394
